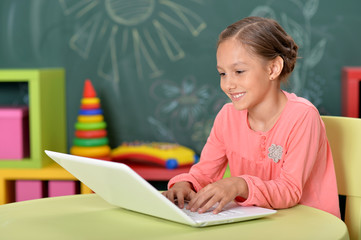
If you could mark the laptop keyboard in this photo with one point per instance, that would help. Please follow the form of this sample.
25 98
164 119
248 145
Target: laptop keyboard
210 216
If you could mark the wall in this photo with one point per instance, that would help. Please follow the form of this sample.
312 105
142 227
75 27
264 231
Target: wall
152 62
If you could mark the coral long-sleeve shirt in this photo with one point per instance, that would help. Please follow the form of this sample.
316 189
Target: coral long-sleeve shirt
289 164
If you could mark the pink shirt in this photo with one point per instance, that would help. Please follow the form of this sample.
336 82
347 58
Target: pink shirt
287 165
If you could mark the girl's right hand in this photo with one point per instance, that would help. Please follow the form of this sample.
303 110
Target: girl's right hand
180 192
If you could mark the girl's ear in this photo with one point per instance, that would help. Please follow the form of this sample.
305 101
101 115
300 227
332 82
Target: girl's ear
275 67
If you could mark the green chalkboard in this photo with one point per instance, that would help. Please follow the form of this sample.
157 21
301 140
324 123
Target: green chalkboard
152 62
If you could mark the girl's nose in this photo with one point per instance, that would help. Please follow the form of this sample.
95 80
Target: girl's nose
231 84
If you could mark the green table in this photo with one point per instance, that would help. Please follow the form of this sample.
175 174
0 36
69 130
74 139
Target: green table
88 216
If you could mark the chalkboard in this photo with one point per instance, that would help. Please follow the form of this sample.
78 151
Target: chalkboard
152 62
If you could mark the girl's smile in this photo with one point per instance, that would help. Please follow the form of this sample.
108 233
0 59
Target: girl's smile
236 96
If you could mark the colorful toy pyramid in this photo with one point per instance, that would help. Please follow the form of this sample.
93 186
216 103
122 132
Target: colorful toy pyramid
90 134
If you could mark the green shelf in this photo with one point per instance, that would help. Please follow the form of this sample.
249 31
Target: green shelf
47 115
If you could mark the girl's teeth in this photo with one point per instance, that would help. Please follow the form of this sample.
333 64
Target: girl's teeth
238 95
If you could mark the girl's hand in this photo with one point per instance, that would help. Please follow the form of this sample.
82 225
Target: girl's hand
221 192
180 192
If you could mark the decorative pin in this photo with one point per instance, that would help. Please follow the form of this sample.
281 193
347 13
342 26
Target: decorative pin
275 152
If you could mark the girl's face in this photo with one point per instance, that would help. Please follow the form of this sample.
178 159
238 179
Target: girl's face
244 76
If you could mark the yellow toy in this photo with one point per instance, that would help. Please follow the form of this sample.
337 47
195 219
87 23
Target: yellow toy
92 152
168 155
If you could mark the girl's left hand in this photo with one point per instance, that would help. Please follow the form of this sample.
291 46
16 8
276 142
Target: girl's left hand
221 192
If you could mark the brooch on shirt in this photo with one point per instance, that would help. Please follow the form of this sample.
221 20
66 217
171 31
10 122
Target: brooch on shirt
275 152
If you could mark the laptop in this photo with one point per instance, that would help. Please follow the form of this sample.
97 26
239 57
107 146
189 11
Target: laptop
119 185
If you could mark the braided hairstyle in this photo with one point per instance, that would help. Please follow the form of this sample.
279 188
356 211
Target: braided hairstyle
266 38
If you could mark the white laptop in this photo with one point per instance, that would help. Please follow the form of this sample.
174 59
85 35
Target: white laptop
119 185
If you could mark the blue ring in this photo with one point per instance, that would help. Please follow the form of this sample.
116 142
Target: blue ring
90 111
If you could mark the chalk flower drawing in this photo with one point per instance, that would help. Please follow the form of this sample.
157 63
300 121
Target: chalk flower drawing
140 25
181 102
162 133
302 34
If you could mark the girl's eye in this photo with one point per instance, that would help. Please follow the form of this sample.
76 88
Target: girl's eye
222 74
239 72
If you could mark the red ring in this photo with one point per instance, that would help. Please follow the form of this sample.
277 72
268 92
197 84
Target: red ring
90 106
91 133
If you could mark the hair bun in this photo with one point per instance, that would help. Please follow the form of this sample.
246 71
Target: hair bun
289 55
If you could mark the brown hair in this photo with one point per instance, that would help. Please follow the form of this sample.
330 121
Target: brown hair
266 38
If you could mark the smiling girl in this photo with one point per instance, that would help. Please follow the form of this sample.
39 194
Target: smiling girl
274 142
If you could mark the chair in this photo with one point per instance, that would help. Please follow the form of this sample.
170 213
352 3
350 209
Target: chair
344 135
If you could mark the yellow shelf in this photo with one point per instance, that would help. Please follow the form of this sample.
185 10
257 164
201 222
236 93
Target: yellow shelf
8 176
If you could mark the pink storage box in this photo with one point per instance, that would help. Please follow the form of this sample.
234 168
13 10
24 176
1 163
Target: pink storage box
29 190
14 133
61 188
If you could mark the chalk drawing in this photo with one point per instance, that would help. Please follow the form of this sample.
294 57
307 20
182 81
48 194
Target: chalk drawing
140 26
301 80
129 12
181 103
110 51
81 42
161 131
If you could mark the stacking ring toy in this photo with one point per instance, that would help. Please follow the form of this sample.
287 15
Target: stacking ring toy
90 106
91 133
90 118
90 111
100 151
90 126
90 142
90 100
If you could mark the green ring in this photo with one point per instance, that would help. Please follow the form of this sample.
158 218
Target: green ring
90 142
90 126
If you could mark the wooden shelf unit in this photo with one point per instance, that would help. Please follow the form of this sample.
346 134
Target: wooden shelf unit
47 115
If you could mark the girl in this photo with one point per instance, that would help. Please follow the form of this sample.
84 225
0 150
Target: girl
274 142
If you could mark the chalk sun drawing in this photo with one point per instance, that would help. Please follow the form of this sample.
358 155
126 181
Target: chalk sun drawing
140 25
